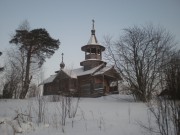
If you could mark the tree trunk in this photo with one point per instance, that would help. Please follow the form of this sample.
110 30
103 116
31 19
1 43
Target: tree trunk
178 126
27 79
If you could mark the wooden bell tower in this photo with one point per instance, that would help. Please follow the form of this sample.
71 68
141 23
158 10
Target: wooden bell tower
93 52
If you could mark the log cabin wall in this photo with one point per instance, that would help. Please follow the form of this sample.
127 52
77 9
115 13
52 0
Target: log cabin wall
63 85
85 85
93 85
51 89
58 87
102 82
73 83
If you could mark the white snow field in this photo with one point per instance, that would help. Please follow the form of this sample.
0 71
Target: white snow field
108 115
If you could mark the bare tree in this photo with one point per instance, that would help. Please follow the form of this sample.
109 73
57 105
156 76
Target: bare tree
138 56
13 74
171 72
163 117
33 90
165 109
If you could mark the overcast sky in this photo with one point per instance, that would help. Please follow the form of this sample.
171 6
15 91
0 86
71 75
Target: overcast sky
70 22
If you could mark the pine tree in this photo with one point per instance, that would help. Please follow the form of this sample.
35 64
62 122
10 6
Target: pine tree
38 45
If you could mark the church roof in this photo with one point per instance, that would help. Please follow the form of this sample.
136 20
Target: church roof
70 73
74 73
49 79
103 70
93 40
81 72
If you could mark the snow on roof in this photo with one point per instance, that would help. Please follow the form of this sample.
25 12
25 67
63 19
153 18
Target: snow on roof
93 40
81 72
49 79
74 73
70 73
103 70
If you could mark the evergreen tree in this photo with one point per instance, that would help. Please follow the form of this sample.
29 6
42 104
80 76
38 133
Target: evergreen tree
38 45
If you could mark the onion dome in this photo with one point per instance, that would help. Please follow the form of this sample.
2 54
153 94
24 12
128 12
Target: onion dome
62 65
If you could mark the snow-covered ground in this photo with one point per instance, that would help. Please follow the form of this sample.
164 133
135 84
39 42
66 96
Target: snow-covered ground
108 115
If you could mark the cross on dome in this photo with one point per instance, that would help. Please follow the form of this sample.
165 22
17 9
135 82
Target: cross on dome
62 56
62 65
93 21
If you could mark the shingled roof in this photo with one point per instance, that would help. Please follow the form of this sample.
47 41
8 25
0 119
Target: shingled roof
74 73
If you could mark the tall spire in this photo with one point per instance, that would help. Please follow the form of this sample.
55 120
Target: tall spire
62 56
62 65
93 30
93 39
93 24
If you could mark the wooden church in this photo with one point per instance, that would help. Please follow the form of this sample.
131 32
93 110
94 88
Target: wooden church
93 79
